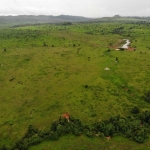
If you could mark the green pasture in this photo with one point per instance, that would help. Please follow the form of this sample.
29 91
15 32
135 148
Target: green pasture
84 143
47 70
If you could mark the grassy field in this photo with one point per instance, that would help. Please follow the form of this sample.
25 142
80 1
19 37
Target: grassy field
84 143
47 70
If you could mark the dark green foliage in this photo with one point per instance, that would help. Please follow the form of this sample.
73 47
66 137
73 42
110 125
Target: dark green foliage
54 126
53 136
108 50
43 134
44 44
74 45
4 147
109 129
118 30
35 139
136 128
67 23
89 32
145 117
89 133
135 110
129 127
147 97
21 145
31 131
86 86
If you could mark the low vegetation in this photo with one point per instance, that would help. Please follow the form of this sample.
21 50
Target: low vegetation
135 128
51 69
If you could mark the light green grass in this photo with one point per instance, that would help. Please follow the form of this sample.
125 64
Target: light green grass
84 143
48 81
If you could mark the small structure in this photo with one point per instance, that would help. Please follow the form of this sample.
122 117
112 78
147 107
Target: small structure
107 68
117 49
66 116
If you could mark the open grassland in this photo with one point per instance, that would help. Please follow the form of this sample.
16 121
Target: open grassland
85 143
48 70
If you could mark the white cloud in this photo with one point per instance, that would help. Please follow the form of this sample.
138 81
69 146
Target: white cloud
88 8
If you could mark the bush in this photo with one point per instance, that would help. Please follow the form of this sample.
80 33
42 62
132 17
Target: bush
53 136
135 110
31 131
77 132
136 128
147 97
21 145
54 126
35 139
43 134
145 117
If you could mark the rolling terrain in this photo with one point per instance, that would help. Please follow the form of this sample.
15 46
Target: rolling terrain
50 69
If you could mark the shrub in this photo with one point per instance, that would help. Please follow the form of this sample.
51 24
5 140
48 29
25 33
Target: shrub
53 136
135 110
31 131
145 117
136 128
35 139
43 134
147 97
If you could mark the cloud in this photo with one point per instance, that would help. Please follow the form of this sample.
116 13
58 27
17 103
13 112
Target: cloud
88 8
28 10
144 12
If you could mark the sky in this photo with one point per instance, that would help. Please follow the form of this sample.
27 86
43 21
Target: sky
86 8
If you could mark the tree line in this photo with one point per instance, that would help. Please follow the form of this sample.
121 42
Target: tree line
136 127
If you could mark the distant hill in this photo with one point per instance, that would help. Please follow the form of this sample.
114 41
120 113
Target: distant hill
29 19
121 19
